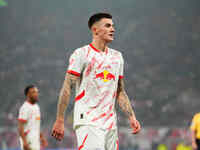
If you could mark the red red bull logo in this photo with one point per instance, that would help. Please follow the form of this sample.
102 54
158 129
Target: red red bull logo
105 76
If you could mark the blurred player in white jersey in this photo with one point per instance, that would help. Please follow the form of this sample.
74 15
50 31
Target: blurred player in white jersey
29 121
96 72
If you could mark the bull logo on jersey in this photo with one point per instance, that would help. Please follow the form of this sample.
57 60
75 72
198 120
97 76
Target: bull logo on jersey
105 76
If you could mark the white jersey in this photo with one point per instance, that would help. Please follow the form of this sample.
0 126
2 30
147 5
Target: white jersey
96 95
30 115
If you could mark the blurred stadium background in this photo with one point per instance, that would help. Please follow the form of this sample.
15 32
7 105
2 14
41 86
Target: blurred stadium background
160 42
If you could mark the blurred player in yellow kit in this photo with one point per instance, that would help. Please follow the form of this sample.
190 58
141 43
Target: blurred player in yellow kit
195 132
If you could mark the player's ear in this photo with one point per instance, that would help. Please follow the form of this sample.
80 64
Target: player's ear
94 29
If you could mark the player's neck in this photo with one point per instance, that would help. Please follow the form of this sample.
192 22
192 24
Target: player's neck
99 44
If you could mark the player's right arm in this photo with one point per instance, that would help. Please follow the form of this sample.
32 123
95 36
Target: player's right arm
22 121
23 135
64 97
72 78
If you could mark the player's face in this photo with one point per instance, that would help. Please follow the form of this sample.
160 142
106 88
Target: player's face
33 94
105 30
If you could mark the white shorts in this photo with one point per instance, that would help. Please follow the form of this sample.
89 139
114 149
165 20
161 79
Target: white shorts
94 138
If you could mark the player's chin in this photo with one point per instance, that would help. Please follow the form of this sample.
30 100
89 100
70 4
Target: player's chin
109 40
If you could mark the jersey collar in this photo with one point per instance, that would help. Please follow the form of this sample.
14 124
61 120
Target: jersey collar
97 50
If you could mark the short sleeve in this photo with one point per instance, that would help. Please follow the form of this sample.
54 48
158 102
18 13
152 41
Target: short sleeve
193 124
76 63
23 114
121 69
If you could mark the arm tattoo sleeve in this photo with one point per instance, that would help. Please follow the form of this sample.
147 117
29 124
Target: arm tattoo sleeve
70 82
123 100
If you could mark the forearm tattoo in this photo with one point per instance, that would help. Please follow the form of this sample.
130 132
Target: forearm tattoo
70 82
123 99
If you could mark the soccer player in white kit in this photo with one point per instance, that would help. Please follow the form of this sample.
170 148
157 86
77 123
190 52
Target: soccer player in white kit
29 121
96 72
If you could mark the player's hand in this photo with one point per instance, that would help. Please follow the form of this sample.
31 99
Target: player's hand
194 145
58 129
26 146
135 125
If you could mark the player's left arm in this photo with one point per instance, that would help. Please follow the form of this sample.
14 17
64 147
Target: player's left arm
43 140
125 105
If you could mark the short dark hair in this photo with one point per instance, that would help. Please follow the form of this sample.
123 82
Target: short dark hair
26 90
97 17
